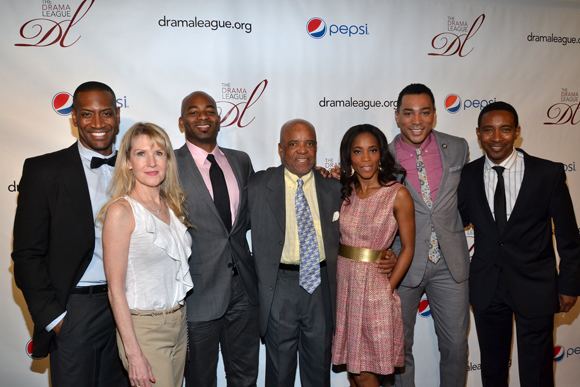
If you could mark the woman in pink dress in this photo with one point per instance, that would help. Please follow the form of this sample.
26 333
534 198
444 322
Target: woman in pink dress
369 330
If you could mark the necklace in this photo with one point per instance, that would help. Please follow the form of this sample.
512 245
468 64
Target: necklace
156 210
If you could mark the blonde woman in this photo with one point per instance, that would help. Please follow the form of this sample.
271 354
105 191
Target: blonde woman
146 247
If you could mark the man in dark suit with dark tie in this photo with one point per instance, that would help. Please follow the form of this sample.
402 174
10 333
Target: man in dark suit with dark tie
295 235
222 307
58 256
515 202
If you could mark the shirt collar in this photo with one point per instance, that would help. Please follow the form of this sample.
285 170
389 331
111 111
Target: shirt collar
412 149
293 177
201 154
88 154
508 163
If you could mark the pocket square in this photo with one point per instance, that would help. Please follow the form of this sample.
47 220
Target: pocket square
335 216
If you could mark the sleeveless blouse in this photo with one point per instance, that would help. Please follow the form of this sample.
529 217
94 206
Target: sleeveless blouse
157 269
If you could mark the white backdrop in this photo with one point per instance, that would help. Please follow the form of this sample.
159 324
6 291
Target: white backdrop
263 62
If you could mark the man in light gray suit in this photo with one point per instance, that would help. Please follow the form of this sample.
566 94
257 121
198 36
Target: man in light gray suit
440 267
295 316
221 310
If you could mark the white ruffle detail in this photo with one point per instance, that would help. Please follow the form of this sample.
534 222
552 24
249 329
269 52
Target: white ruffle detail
177 245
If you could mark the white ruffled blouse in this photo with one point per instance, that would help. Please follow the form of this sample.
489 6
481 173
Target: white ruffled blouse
157 270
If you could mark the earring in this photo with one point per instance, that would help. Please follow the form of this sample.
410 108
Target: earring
380 167
351 170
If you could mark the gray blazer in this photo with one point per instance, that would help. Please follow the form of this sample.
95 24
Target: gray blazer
444 216
213 248
268 218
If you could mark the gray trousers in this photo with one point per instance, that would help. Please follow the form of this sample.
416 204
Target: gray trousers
299 326
449 302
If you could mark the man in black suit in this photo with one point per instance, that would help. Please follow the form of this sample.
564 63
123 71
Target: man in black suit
58 257
512 199
296 270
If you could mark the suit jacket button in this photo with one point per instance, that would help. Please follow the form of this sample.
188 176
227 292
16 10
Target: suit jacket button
500 243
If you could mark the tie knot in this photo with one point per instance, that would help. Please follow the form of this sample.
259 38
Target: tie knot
211 158
498 169
300 183
418 151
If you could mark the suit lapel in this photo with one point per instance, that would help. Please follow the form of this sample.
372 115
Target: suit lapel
193 183
524 192
444 154
324 202
479 190
236 168
75 183
277 199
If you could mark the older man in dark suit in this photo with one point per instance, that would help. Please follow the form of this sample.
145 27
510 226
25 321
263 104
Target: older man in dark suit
295 235
514 202
58 256
222 308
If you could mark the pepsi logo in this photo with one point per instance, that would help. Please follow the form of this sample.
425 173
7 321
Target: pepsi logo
316 27
29 347
558 352
424 308
452 103
62 103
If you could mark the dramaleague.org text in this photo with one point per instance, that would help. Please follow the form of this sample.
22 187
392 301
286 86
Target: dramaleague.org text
204 23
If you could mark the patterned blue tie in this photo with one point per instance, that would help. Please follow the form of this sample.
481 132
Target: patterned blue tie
309 254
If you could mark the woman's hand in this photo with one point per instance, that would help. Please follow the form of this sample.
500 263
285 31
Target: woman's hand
140 372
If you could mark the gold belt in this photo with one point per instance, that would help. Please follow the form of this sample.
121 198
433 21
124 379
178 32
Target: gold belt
361 254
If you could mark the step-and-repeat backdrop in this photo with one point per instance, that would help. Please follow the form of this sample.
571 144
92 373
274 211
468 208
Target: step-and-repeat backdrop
336 64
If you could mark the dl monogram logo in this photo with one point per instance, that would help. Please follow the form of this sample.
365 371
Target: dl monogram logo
55 26
454 40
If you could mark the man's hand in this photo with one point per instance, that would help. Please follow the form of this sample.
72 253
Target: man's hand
58 327
387 262
566 302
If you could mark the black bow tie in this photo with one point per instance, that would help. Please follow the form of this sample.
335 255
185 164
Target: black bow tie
96 162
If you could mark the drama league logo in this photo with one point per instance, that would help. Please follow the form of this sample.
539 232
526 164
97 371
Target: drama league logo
316 27
54 26
565 111
28 348
424 309
452 103
62 103
559 352
454 40
236 104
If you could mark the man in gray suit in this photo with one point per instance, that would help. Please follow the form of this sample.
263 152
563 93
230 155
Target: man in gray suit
294 217
221 310
440 267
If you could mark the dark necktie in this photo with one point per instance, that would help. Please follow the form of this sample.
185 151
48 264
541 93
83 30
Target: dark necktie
221 198
499 206
97 162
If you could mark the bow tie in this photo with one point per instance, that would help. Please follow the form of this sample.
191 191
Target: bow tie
96 162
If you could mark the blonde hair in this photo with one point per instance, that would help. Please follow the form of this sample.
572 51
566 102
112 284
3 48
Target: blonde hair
123 181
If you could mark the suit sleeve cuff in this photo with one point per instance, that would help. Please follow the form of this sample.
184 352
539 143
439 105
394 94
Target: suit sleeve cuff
55 322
